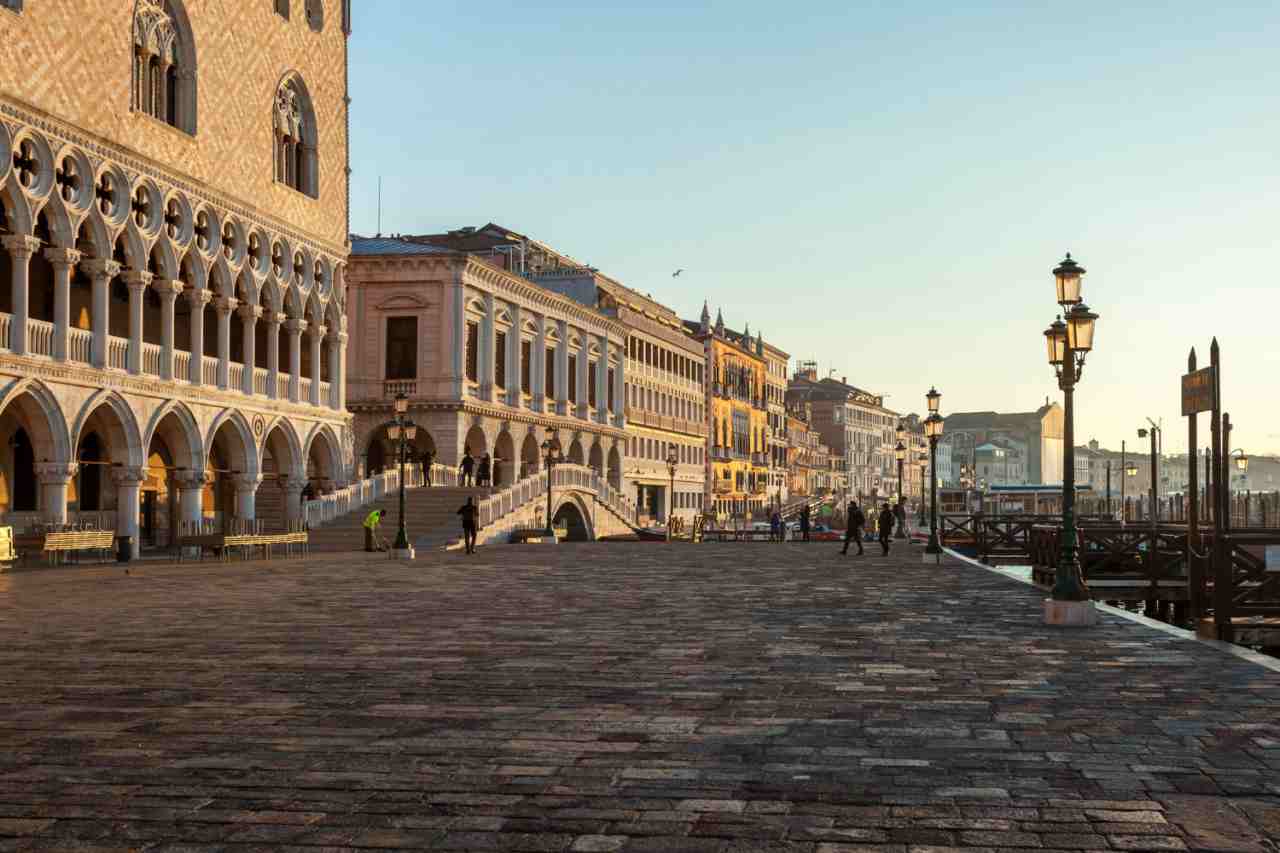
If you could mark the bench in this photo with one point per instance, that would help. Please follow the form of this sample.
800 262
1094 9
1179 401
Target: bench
225 545
57 546
8 554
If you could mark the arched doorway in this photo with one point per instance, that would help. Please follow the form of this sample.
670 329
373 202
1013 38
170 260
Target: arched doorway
108 438
530 456
32 432
324 463
575 457
596 460
21 473
175 439
476 443
230 456
282 467
376 457
569 518
504 460
615 468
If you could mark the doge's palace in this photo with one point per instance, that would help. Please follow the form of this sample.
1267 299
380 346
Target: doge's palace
173 239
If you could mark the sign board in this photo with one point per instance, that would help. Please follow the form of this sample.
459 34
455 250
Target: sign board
1197 392
1273 558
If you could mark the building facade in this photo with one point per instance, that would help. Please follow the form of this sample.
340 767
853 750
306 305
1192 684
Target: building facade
491 363
857 427
174 233
1038 433
777 372
738 441
664 391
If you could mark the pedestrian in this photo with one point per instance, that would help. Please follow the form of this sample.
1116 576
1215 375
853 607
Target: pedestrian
371 537
470 517
900 516
804 522
468 466
854 520
483 471
308 492
775 527
886 527
428 458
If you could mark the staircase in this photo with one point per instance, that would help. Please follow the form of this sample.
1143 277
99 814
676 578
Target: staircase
430 518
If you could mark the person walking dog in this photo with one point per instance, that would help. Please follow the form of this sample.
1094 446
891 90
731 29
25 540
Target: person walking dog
886 527
853 532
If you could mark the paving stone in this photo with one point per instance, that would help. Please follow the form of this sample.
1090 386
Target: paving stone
1146 842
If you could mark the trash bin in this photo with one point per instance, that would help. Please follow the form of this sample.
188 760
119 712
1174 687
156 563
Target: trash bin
124 548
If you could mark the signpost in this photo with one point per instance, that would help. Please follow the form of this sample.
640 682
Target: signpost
1197 391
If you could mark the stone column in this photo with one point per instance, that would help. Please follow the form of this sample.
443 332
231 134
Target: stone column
337 372
293 487
21 248
100 272
562 369
62 260
249 315
168 289
274 319
584 359
602 382
226 307
191 496
138 282
515 393
458 352
295 328
246 495
488 355
620 390
128 483
317 338
540 364
198 299
54 477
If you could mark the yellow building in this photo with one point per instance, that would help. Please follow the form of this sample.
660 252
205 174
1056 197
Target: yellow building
738 418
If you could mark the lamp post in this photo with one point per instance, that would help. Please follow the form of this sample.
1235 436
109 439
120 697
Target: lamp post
671 493
900 451
403 430
933 431
1068 344
1242 463
1154 432
551 455
923 459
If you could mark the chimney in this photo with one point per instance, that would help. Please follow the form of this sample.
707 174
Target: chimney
844 380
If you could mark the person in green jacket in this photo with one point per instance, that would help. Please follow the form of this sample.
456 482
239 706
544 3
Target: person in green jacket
371 523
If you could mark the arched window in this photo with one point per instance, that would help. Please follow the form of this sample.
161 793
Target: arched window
164 64
296 163
282 8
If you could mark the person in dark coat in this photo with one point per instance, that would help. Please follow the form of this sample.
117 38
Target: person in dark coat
428 459
467 467
855 521
470 514
804 523
886 527
483 470
900 516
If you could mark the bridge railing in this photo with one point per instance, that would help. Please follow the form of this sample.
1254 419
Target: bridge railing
564 475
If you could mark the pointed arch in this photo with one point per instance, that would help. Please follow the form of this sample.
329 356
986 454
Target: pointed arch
242 450
282 442
109 412
294 136
175 422
164 68
37 405
324 455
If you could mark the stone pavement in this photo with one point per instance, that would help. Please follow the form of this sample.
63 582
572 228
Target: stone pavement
636 697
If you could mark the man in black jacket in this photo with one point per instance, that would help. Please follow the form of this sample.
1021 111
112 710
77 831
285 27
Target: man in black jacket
886 527
853 531
470 517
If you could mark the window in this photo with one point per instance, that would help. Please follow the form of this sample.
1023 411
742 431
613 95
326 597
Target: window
402 347
549 365
473 352
500 360
526 367
592 372
315 14
164 63
573 379
610 389
296 162
282 8
15 5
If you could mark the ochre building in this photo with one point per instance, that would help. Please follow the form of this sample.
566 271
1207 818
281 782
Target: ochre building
173 217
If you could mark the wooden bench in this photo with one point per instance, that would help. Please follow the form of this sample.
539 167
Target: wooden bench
57 546
225 545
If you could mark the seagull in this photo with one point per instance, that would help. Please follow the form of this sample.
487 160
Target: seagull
676 274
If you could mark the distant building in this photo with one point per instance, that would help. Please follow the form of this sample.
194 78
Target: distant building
1039 432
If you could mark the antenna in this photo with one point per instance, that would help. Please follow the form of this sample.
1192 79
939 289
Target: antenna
379 205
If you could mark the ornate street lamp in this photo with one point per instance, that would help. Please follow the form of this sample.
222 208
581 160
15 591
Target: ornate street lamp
671 494
901 453
933 431
403 430
550 456
1068 344
1242 464
923 459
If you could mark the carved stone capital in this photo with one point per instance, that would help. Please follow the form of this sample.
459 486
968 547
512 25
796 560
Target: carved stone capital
198 297
247 482
137 279
246 312
167 287
189 480
60 257
227 305
318 331
56 473
21 246
101 268
343 337
296 326
128 476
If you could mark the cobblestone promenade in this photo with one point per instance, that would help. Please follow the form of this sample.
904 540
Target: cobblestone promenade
613 697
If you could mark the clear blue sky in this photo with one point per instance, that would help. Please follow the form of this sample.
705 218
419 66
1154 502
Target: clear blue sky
880 187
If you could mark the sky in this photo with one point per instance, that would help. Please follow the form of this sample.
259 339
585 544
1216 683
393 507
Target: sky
882 188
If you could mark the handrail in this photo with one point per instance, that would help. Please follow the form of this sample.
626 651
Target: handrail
564 475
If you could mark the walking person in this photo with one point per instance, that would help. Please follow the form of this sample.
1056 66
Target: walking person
855 521
428 459
804 523
900 516
886 528
468 465
775 527
371 523
483 471
470 514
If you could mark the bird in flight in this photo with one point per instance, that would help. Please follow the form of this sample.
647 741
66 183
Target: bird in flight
676 274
